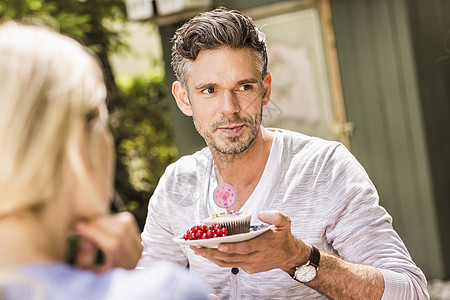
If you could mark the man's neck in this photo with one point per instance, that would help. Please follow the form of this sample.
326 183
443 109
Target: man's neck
243 171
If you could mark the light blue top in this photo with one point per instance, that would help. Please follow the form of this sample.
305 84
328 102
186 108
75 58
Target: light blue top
61 281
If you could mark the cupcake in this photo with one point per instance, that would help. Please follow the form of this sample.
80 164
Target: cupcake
234 222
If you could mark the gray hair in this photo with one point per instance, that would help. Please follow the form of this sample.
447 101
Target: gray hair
212 30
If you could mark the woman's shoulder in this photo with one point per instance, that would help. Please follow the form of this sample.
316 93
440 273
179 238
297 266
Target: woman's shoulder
55 281
61 281
162 281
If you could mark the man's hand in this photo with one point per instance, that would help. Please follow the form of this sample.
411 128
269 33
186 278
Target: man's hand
116 235
276 248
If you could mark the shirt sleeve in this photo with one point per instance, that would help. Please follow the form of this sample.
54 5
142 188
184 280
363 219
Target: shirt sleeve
361 231
157 236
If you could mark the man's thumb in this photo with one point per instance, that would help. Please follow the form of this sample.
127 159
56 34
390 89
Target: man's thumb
274 217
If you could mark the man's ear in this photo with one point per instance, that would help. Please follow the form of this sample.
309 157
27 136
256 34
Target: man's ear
267 88
182 98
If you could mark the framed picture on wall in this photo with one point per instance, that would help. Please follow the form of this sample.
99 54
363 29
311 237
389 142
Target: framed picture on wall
306 95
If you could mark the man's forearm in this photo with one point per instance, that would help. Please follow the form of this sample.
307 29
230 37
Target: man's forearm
340 279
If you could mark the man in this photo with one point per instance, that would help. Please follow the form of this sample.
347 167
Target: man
330 236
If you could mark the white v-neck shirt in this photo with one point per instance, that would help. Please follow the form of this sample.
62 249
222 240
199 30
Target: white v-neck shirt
262 189
323 189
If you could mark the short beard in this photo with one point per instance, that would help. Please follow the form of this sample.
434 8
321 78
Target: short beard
233 146
239 146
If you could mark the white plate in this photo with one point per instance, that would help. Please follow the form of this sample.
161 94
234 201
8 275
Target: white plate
214 242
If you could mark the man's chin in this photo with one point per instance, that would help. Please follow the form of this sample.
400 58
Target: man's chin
229 151
231 145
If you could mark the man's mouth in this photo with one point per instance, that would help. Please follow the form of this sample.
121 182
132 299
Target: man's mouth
231 129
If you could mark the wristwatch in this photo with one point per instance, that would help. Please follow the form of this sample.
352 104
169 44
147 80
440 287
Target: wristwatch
307 272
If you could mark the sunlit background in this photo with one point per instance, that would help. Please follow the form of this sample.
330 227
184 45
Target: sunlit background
373 74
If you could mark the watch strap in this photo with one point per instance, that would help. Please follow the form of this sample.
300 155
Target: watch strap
314 257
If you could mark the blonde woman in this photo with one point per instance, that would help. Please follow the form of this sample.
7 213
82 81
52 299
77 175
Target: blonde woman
56 175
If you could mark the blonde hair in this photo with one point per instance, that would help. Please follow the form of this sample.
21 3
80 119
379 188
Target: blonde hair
48 83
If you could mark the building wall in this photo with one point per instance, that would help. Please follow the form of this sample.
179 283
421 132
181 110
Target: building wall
430 27
383 99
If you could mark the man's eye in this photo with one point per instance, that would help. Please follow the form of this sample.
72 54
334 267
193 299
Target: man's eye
208 90
245 87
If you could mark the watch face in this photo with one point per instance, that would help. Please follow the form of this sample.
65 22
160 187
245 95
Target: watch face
305 273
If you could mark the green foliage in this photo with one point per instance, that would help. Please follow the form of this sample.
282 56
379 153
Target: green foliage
140 125
81 19
139 117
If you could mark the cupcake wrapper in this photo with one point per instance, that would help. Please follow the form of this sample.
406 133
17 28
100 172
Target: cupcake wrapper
234 227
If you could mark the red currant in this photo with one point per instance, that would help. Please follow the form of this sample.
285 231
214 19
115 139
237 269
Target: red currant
204 232
209 233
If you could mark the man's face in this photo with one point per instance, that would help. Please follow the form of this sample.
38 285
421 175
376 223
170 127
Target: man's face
226 96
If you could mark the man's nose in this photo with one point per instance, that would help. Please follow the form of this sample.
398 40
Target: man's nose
229 103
